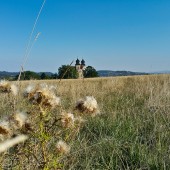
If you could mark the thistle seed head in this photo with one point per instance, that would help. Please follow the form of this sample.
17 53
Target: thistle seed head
67 119
88 105
62 147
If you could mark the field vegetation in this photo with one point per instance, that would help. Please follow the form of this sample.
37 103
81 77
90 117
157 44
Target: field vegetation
128 127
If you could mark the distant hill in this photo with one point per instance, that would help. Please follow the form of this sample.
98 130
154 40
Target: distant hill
6 74
107 73
102 73
161 72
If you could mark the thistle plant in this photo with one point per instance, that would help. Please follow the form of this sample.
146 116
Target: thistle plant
50 128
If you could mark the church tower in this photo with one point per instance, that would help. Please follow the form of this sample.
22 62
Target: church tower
83 64
80 67
77 65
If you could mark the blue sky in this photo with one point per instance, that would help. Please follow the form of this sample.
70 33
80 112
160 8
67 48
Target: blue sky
129 35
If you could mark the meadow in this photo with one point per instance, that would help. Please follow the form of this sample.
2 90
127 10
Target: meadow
131 132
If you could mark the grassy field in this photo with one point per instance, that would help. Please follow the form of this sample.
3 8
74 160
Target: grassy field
132 130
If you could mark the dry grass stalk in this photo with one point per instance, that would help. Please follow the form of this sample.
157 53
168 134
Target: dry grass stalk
9 143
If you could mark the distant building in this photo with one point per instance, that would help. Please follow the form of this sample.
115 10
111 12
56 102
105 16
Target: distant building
80 67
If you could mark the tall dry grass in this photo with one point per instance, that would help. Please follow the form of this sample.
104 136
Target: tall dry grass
132 131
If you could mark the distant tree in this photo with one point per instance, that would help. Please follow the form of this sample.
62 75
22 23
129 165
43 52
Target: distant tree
43 76
28 75
54 76
90 72
67 72
8 78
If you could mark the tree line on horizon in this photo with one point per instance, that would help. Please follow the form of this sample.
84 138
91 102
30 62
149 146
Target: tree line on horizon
64 72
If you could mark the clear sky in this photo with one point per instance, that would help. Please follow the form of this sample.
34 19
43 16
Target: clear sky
129 35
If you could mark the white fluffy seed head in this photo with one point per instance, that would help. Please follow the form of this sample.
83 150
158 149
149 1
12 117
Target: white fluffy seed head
4 83
51 88
88 104
5 128
54 101
62 147
20 119
29 89
43 95
7 87
67 119
14 89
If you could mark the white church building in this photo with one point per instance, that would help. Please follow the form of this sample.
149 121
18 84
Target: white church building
80 67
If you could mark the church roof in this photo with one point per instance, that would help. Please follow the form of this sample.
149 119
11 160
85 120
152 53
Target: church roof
77 62
82 62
